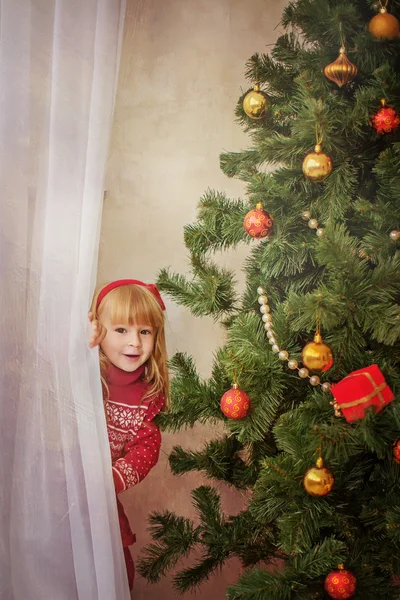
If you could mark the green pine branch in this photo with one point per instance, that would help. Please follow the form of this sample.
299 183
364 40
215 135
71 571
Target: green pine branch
211 292
175 537
220 460
219 224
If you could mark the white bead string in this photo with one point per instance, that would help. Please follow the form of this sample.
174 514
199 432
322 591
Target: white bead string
293 364
313 224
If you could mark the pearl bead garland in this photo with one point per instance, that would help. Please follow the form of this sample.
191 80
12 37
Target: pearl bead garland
312 223
302 372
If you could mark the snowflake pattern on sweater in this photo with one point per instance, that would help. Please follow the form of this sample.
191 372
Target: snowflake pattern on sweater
134 439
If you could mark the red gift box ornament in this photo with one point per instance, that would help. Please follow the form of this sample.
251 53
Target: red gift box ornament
359 391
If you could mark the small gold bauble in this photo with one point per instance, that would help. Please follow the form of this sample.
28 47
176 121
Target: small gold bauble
384 26
317 165
341 71
318 480
316 355
255 103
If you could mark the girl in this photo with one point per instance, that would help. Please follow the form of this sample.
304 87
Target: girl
128 324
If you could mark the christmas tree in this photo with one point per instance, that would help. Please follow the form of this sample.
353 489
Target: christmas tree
306 383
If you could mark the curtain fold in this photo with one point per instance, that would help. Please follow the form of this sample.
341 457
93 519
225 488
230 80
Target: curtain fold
59 534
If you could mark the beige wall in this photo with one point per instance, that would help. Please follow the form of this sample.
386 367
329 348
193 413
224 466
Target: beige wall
183 64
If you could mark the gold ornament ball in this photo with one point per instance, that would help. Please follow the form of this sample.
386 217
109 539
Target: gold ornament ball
255 103
384 26
316 355
318 481
317 165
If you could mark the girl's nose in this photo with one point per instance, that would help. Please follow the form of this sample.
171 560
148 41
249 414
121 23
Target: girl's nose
135 340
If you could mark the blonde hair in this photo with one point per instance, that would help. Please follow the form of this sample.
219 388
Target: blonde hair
132 304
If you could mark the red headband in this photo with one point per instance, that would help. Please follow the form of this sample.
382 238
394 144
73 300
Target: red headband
114 284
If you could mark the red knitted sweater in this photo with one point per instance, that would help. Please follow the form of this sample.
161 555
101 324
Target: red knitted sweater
134 439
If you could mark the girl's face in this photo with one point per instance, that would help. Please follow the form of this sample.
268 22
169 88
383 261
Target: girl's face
127 346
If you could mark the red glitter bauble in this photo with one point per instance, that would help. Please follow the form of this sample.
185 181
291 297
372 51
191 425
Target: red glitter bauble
386 120
258 222
235 403
340 584
396 451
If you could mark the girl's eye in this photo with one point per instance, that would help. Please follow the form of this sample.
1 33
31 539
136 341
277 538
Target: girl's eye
146 332
120 330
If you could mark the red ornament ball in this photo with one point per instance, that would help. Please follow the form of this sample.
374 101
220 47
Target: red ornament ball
340 583
235 403
258 222
396 451
386 120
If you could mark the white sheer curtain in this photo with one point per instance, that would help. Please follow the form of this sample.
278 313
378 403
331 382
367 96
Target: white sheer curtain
59 535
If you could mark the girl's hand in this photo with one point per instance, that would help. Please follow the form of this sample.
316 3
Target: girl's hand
98 330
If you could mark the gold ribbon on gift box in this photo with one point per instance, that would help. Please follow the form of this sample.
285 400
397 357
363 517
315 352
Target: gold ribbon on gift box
375 392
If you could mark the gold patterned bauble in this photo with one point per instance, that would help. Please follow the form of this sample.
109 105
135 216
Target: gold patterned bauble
386 121
340 584
316 355
258 222
255 103
235 403
318 480
384 26
396 451
317 165
341 71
